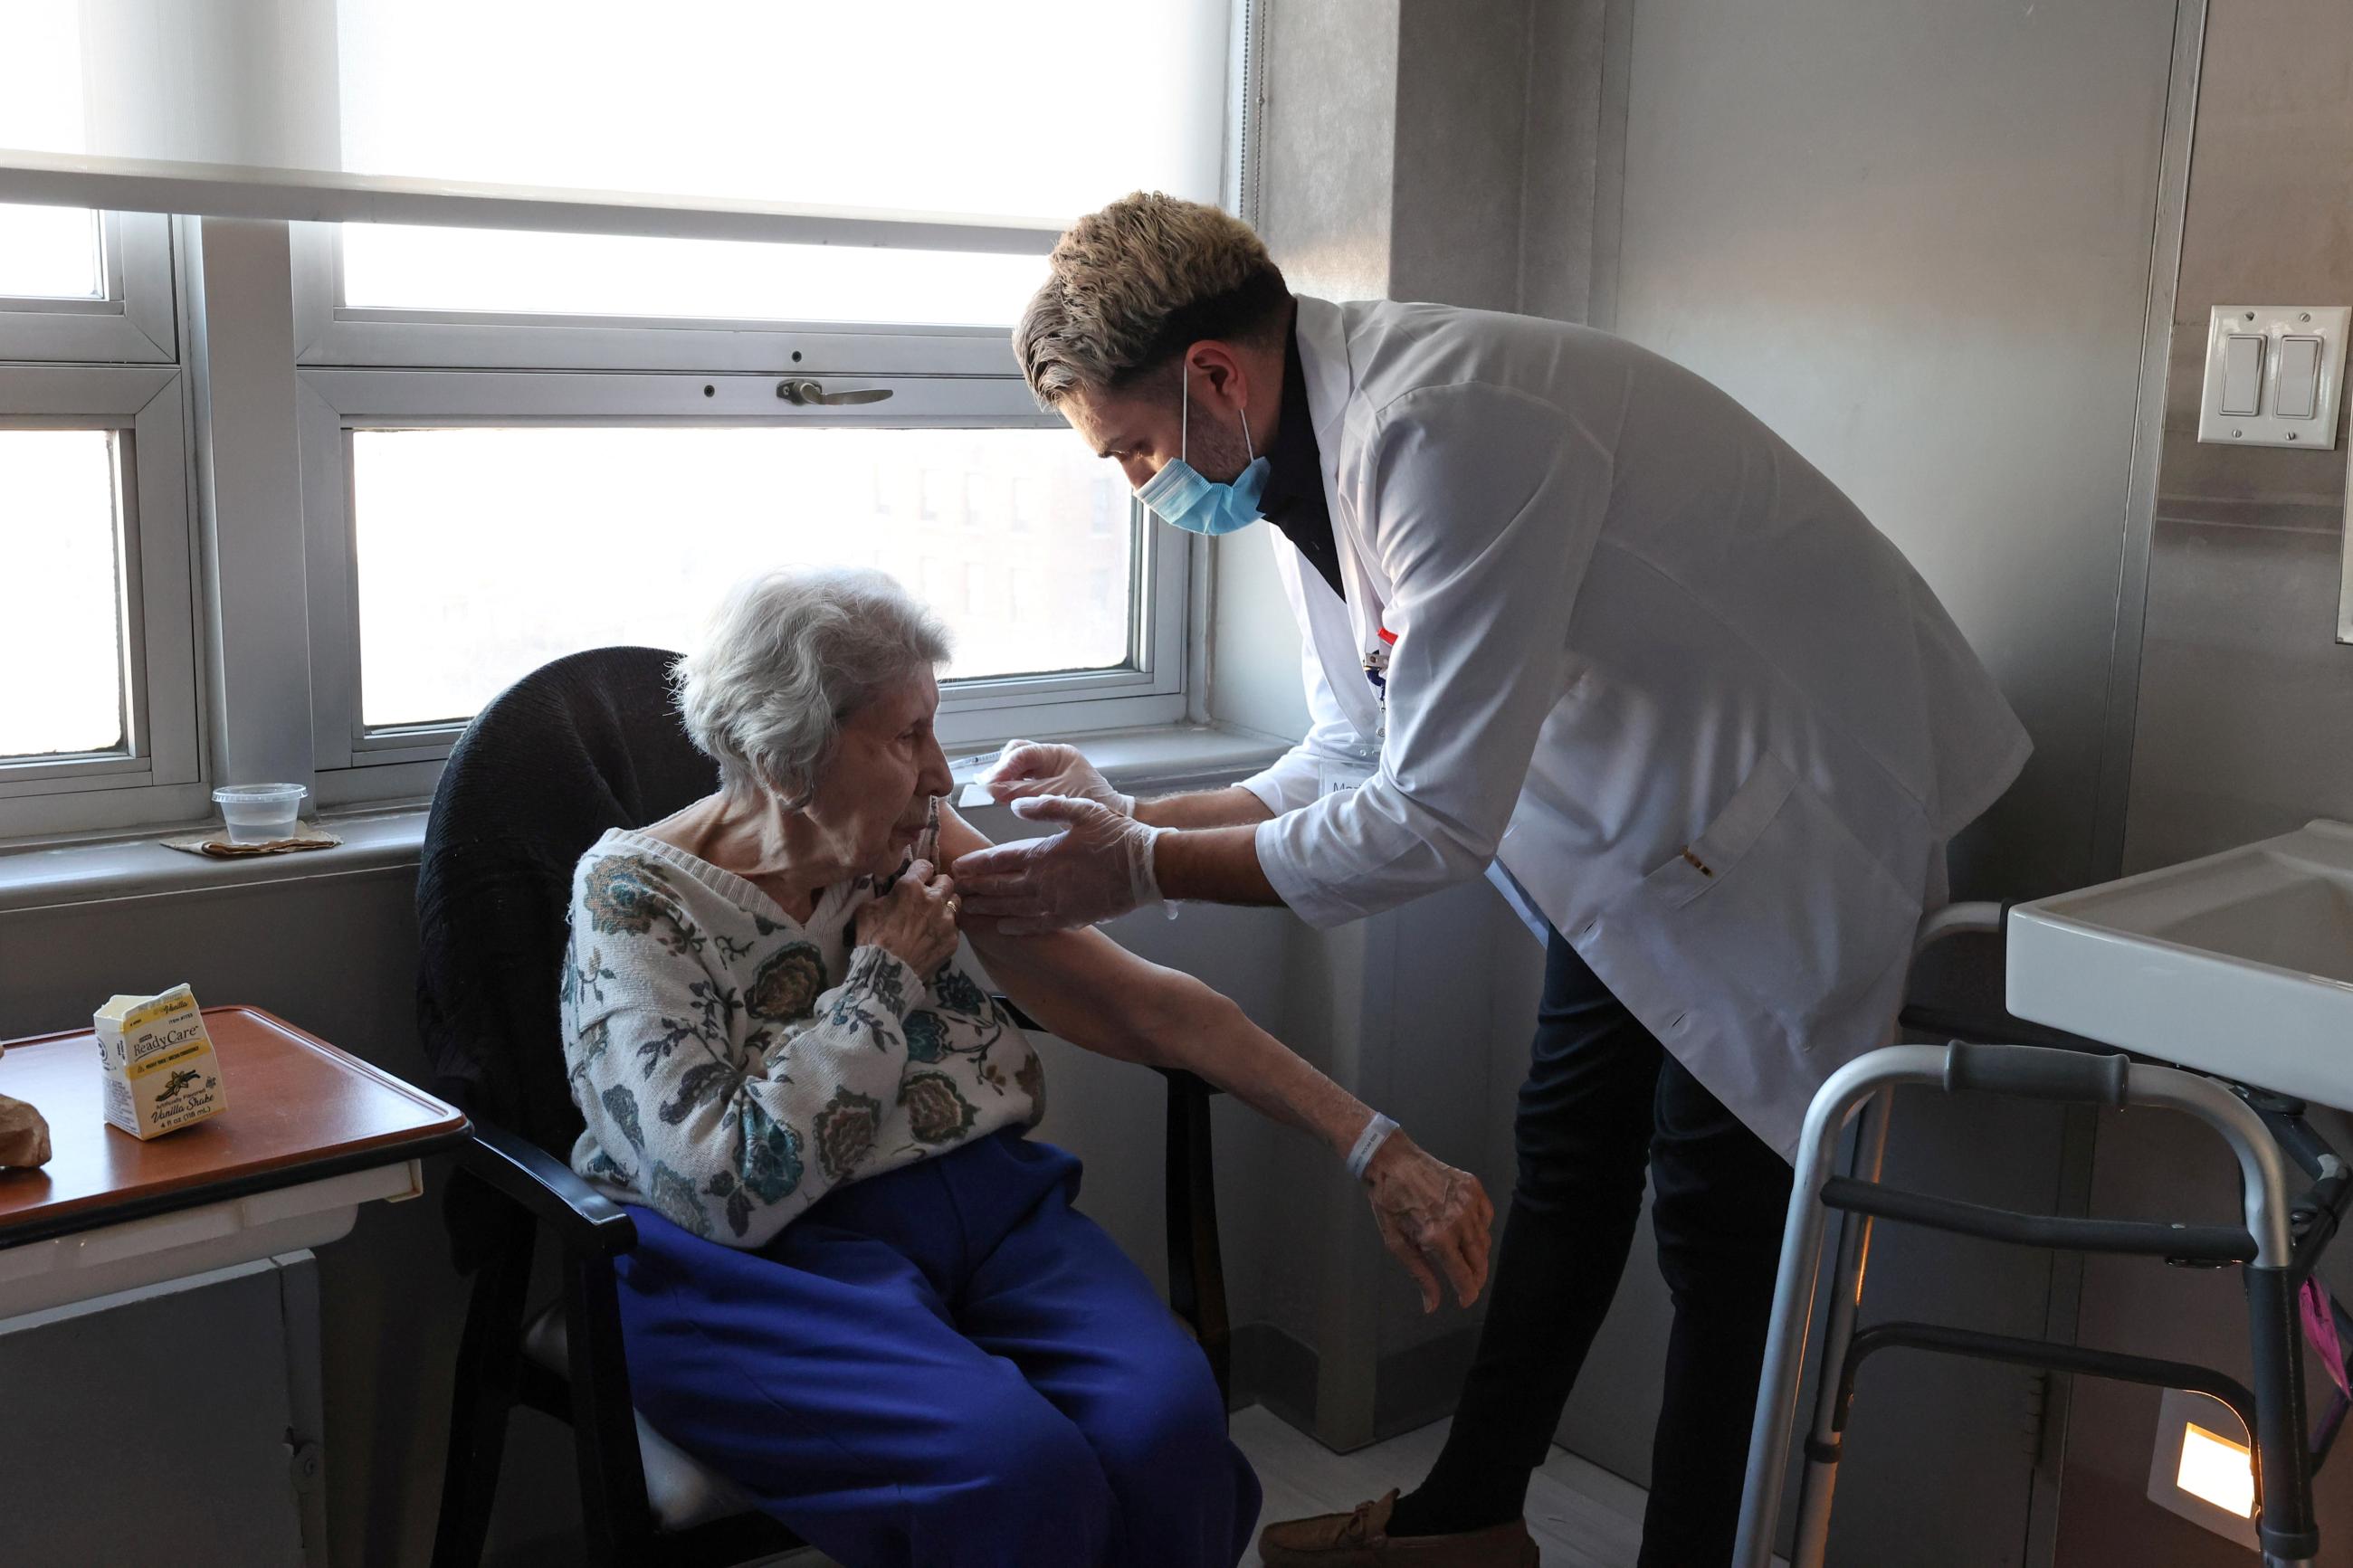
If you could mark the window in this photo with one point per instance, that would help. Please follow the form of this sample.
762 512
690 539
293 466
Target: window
63 531
50 253
74 284
519 443
98 691
444 456
481 554
465 525
97 644
386 267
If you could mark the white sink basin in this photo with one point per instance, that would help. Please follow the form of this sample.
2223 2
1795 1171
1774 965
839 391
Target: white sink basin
2240 965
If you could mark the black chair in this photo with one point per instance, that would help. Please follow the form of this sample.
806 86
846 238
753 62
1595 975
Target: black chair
587 743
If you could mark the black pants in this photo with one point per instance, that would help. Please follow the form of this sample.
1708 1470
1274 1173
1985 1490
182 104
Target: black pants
1602 1100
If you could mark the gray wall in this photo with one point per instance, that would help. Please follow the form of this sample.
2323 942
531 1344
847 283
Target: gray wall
1854 236
1914 237
2245 720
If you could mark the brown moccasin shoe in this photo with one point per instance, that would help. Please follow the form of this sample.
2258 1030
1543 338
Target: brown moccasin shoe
1361 1540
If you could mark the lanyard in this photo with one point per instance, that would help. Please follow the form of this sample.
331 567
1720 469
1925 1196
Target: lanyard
1376 666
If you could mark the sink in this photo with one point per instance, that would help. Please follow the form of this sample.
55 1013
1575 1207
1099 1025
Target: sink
2240 965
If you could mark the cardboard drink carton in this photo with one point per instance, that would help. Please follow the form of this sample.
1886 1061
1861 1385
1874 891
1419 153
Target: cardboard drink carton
159 1071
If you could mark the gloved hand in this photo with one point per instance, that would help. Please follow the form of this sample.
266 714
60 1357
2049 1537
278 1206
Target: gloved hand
1099 866
1026 768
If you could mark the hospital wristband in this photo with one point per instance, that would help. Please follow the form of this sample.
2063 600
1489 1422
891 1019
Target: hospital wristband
1368 1143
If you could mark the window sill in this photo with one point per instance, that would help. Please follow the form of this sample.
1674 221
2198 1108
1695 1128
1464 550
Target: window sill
36 878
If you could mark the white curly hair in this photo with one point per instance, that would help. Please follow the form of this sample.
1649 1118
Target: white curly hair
788 656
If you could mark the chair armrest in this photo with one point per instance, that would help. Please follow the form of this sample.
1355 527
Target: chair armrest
550 1191
1178 1077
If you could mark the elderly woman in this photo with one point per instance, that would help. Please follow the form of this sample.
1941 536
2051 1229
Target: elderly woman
905 1342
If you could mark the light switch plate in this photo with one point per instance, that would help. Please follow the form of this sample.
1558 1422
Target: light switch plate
2273 324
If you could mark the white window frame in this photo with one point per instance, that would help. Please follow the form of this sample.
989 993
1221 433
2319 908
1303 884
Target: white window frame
374 368
159 774
132 324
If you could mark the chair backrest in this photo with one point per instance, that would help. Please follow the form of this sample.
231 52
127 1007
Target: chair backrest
590 741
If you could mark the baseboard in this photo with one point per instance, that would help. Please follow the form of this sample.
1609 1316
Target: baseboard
1272 1369
1423 1383
1412 1387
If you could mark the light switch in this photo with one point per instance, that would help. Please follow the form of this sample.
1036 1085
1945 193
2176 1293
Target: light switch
2242 373
2299 379
2274 375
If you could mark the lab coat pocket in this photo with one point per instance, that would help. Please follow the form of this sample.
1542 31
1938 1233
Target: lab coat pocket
1785 909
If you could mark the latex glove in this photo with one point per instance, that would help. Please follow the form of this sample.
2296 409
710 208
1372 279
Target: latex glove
1099 866
1433 1218
1026 768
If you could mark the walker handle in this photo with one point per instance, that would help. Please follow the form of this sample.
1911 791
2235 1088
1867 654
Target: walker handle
2038 1072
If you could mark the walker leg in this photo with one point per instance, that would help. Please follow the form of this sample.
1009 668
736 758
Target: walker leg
1793 1290
1785 1359
2285 1525
1818 1480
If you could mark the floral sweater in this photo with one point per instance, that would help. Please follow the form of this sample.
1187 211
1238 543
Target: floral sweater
735 1065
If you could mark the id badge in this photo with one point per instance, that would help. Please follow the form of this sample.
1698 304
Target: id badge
1339 778
1337 774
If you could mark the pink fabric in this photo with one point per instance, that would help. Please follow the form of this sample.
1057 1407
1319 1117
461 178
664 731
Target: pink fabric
2320 1328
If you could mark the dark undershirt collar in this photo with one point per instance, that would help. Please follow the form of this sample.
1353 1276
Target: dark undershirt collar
1295 500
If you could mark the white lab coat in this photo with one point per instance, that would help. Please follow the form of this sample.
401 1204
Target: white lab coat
1650 663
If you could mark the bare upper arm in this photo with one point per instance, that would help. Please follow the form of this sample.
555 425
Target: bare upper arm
1080 984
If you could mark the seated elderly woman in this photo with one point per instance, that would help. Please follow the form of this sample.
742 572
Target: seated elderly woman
906 1342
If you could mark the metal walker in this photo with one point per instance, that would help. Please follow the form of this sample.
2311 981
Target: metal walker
2282 1238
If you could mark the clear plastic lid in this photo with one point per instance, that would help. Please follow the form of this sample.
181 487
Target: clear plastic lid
259 793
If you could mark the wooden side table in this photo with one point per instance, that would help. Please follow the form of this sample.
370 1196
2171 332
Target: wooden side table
310 1133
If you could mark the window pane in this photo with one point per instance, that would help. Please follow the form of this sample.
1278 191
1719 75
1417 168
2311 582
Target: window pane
483 554
46 252
50 253
393 267
61 636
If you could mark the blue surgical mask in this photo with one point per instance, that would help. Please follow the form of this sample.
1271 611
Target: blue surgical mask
1180 497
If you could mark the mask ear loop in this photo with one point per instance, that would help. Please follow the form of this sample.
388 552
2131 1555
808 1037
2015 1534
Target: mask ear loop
1184 412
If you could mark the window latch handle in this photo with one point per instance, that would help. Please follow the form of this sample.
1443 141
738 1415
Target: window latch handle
810 395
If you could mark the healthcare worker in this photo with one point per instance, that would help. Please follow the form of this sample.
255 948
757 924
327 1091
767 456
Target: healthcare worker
1572 614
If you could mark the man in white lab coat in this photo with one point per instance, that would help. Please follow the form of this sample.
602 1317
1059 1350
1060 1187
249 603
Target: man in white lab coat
1574 619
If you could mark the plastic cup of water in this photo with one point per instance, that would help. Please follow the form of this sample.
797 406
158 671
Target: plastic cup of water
259 813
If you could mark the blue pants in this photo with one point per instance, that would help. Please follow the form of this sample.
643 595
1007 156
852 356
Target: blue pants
943 1365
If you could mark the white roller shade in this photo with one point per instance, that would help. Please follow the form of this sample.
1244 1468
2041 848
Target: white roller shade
965 124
